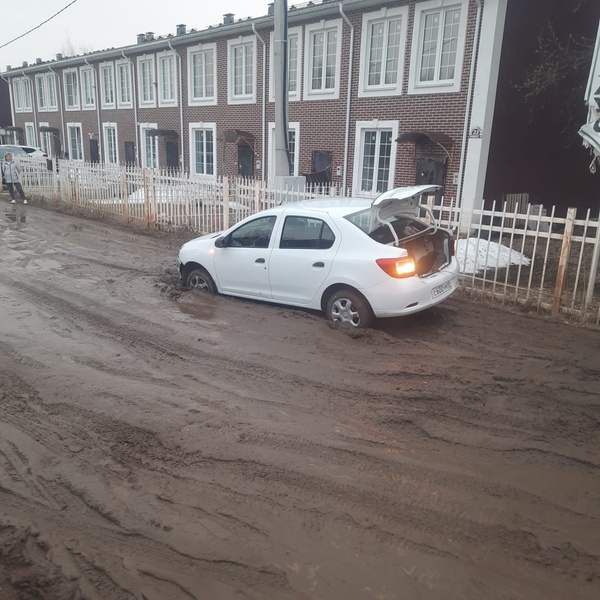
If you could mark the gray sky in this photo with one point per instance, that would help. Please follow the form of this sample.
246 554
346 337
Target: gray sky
100 24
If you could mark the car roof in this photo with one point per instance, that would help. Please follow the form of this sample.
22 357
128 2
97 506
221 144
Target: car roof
337 206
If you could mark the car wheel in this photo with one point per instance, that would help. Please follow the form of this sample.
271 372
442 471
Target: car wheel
199 279
350 307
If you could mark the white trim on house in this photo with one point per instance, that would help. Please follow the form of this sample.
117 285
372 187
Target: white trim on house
292 127
293 33
241 97
323 92
110 152
166 89
76 101
148 143
123 103
440 81
207 53
30 138
80 153
205 127
378 126
87 84
386 15
146 89
108 93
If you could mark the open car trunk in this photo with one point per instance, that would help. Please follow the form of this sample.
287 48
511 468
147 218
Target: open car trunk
395 221
430 247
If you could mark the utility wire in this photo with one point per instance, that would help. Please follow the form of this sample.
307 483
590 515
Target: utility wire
38 26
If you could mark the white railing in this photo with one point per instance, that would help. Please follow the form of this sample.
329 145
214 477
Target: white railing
526 255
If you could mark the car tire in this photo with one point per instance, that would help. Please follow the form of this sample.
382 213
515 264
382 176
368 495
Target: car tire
199 279
351 308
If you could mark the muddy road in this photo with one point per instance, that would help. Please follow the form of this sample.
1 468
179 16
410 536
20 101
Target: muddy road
163 444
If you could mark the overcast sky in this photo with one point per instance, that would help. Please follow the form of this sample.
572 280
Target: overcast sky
101 24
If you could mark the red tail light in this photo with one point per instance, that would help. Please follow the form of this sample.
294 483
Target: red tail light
397 267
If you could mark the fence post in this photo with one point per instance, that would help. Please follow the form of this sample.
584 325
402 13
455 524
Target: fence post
146 196
593 267
257 196
564 259
124 194
226 202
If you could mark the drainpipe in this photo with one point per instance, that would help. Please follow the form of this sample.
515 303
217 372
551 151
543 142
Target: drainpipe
31 96
180 80
463 150
348 97
264 107
134 101
62 114
97 98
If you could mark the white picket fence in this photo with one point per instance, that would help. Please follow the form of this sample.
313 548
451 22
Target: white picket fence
526 256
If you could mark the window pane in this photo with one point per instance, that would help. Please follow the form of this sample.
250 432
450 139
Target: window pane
369 149
393 52
429 48
375 54
317 60
383 170
293 63
450 44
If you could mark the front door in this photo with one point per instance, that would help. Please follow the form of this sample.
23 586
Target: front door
242 267
172 155
431 170
94 151
130 153
245 161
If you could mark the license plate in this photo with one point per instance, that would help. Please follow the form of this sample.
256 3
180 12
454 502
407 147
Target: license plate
441 289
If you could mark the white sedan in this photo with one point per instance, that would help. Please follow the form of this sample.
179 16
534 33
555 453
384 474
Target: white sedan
354 258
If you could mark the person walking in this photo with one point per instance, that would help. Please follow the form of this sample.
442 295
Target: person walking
11 172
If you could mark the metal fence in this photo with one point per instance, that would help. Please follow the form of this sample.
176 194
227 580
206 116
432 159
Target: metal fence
523 255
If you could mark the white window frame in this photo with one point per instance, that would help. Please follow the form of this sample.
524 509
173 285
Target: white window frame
75 73
27 94
52 96
310 31
119 65
72 156
193 127
46 140
87 76
232 45
144 129
361 128
105 128
206 100
148 103
294 96
169 58
30 139
17 94
382 89
105 101
295 127
437 86
41 94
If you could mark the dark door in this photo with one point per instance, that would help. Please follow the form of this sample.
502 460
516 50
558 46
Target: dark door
57 146
321 167
172 155
245 161
94 152
130 153
431 170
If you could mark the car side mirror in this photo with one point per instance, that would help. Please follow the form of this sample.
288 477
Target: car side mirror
221 242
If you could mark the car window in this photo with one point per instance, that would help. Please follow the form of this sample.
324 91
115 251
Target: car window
306 233
255 234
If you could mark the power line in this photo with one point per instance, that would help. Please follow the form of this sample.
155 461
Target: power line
38 26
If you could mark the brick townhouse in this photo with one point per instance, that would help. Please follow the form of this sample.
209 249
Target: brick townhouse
381 94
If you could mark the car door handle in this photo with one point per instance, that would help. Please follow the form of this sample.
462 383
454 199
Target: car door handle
319 264
260 260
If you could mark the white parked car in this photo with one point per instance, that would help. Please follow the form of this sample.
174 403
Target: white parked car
354 258
19 151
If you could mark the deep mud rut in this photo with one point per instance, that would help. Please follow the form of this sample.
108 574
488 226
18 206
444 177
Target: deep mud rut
163 444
